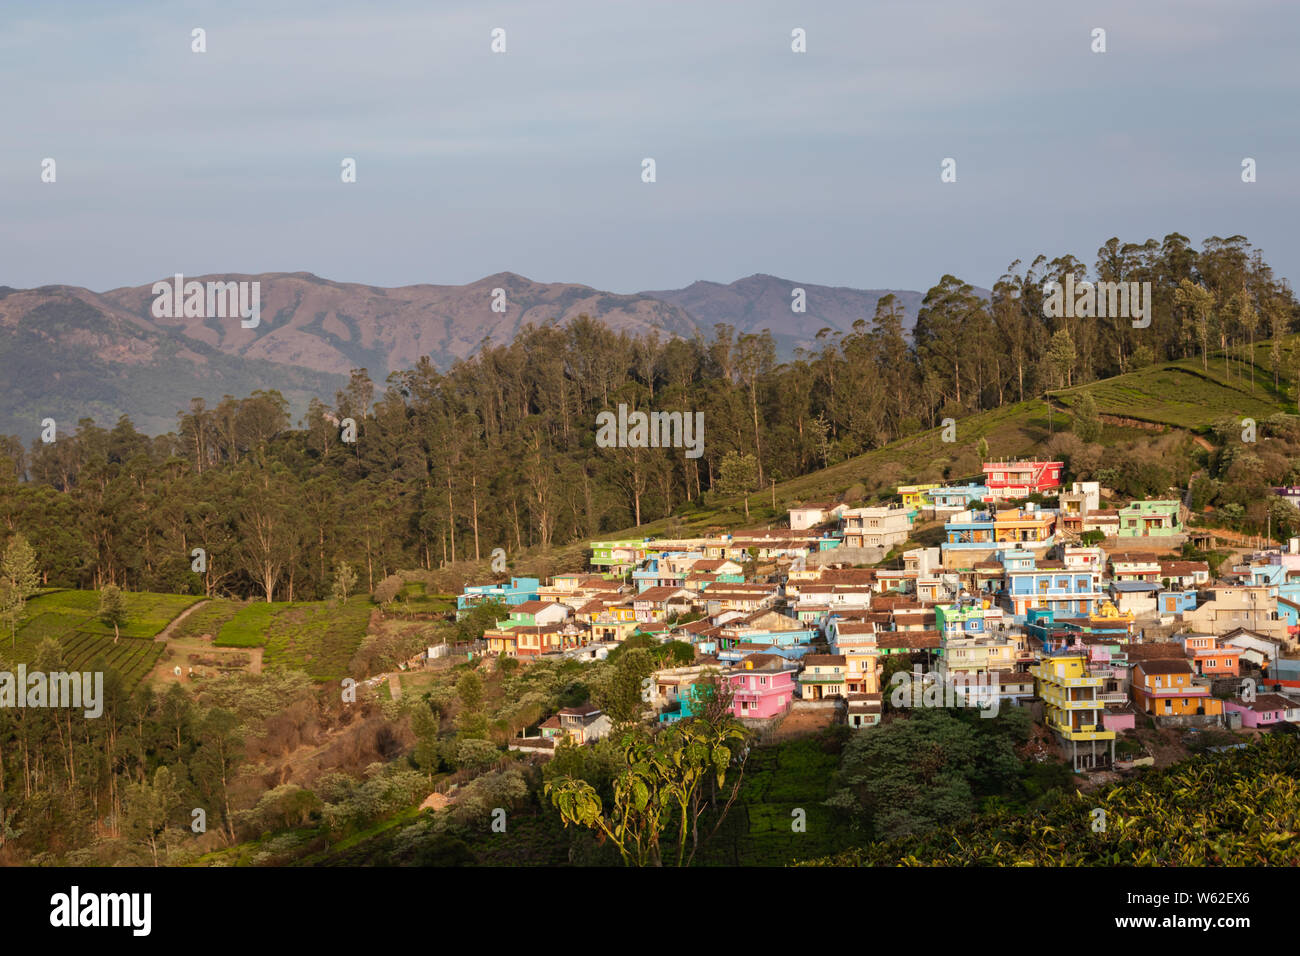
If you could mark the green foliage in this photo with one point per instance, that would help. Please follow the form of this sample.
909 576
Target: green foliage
345 579
618 690
1235 808
931 768
482 616
112 608
19 579
1087 425
470 690
780 779
668 779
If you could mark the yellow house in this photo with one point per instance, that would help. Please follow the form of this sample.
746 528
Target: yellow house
1022 526
1073 709
1167 687
914 496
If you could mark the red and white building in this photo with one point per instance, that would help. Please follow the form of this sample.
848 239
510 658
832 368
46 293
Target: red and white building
1008 480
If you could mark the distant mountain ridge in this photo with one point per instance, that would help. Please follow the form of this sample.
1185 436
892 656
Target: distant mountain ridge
67 352
760 302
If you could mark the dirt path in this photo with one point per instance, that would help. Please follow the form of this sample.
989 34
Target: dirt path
166 633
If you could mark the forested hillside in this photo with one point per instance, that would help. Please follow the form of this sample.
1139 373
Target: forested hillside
499 451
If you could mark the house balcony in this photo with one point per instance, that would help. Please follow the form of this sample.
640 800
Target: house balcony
807 678
1083 732
1066 703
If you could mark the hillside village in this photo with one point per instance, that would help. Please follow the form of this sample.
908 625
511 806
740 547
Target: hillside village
1061 600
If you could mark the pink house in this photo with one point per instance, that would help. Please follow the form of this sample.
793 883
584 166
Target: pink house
1264 711
762 686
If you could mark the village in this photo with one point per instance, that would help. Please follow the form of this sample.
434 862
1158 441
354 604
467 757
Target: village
1061 600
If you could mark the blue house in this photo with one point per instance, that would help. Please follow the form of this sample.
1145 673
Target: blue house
654 573
517 591
1065 591
969 530
1176 602
956 497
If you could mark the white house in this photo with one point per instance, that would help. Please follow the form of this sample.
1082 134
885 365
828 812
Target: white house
812 513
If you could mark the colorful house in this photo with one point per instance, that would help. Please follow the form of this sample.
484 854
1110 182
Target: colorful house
1164 688
949 499
1051 585
536 614
908 642
1073 708
1264 711
620 556
533 640
915 497
1027 527
655 604
1173 603
1210 657
971 642
1008 480
856 642
516 592
968 530
682 691
1150 518
823 676
762 686
657 572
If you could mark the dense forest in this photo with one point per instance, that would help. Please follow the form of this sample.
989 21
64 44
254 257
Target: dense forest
499 451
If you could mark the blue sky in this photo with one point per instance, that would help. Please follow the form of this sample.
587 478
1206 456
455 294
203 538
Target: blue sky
821 167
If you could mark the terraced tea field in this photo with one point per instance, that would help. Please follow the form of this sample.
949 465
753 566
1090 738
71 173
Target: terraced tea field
69 617
131 657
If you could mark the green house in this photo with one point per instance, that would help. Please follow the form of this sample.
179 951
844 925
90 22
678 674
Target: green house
1149 518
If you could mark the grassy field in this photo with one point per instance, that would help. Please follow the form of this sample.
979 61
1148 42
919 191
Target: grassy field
414 599
318 637
69 617
1183 394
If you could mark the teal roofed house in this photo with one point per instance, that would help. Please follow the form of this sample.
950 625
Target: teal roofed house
518 591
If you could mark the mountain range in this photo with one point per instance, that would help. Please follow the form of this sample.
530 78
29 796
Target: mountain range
67 352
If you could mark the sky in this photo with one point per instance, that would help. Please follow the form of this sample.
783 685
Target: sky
821 167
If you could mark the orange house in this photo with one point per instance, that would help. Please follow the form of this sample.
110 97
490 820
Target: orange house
1210 658
1164 688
